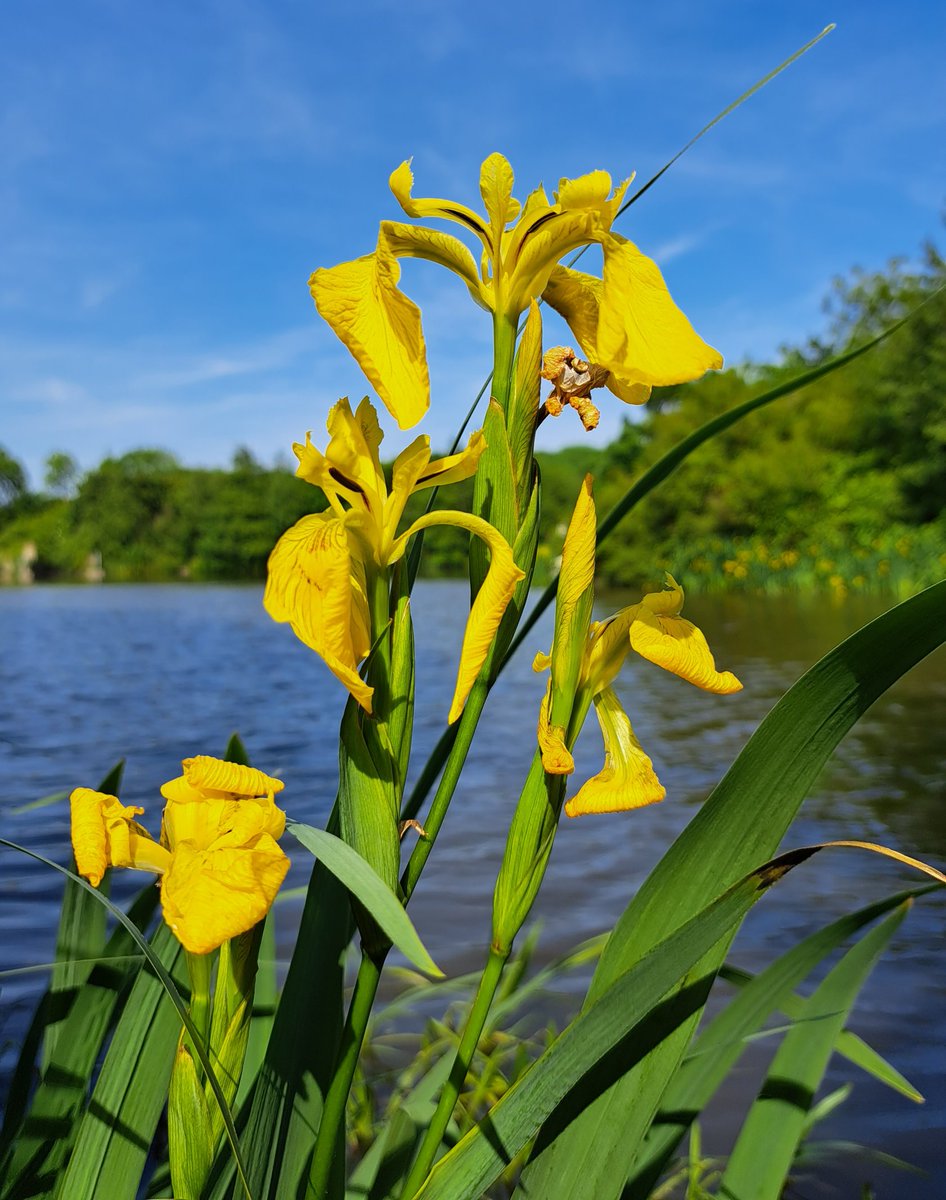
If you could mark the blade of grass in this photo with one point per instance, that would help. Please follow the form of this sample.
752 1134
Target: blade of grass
849 1045
771 1134
722 1042
44 1138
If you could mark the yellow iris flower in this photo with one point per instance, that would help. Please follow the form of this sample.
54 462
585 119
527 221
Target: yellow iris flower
657 632
626 322
219 865
318 572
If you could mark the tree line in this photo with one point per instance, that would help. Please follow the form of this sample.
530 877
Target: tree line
840 487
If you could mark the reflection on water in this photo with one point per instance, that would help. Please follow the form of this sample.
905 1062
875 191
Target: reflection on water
155 673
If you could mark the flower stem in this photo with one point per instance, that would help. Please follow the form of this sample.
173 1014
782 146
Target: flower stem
336 1099
448 782
472 1031
504 352
199 971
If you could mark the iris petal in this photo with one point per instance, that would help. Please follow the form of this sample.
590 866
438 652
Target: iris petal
627 779
642 336
315 585
491 600
209 896
381 327
556 757
678 646
105 834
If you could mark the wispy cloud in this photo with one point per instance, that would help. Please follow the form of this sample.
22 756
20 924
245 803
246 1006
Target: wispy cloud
268 354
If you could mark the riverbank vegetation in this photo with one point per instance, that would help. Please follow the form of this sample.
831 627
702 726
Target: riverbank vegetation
840 488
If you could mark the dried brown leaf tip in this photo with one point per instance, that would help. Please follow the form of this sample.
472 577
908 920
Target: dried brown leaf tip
572 380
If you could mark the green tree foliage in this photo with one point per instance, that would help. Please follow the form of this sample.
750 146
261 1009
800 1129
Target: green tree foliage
61 475
12 478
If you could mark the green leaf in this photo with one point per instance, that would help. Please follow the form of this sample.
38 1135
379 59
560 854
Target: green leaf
116 1130
41 802
742 822
636 1011
369 890
766 1146
264 1008
848 1045
44 1139
236 751
286 1102
724 1039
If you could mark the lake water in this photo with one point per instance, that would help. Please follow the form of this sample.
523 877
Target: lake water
158 673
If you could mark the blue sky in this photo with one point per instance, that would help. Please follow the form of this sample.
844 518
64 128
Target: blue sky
170 175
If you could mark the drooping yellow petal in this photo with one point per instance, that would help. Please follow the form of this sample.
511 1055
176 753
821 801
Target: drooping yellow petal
556 757
315 585
678 646
402 182
542 661
491 600
381 327
105 834
627 779
642 336
211 895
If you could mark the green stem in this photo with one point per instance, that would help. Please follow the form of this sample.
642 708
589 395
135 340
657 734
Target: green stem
198 970
448 782
504 353
378 586
336 1099
472 1031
